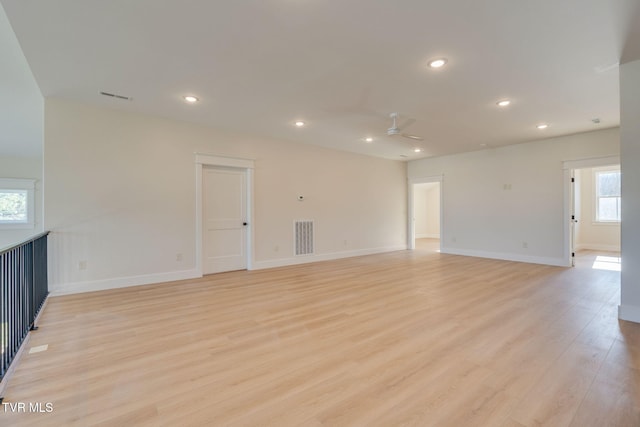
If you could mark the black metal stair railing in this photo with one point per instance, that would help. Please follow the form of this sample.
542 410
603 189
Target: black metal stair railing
23 290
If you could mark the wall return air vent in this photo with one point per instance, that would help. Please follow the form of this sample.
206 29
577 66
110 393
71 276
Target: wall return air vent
303 237
115 95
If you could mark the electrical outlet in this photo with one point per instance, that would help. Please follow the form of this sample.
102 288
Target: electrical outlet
525 245
178 257
82 265
276 248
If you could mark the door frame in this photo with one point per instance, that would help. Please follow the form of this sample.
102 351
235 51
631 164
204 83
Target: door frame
246 165
411 226
569 167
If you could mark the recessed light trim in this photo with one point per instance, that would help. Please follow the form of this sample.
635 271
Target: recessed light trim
299 123
503 103
438 63
542 126
417 150
190 99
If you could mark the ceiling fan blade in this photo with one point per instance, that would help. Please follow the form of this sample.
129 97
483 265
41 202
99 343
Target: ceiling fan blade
407 123
414 137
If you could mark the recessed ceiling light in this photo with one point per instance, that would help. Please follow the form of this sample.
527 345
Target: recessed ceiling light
596 121
503 103
417 150
191 99
300 123
437 63
368 139
542 126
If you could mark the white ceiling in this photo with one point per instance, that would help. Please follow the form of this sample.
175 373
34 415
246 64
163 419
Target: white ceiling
342 66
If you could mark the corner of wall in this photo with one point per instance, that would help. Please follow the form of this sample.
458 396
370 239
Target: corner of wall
629 313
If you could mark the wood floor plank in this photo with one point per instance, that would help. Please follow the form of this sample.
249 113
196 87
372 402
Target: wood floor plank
414 338
616 406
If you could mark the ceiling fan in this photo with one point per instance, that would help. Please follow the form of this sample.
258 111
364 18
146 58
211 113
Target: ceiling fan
397 130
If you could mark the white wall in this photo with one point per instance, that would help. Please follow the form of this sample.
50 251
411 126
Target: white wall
497 200
26 168
433 210
590 234
21 125
630 163
121 197
427 210
21 103
420 210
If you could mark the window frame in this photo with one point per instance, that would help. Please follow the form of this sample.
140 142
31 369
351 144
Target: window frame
20 184
597 197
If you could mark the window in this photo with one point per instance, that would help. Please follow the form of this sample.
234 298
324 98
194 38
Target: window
17 203
608 198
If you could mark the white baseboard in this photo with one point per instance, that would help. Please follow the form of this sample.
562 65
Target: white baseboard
121 282
629 313
559 262
283 262
427 236
597 247
124 282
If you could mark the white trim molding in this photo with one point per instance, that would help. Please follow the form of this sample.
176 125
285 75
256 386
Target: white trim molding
557 262
591 162
230 162
202 160
411 226
20 185
427 236
597 247
306 259
121 282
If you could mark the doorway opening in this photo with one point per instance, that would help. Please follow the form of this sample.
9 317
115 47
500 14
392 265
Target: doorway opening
425 214
224 212
593 201
597 200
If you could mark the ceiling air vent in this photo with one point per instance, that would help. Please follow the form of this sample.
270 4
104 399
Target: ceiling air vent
114 95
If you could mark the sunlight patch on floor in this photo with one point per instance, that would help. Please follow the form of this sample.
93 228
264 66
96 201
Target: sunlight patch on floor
610 263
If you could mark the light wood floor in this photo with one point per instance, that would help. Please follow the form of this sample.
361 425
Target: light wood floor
400 339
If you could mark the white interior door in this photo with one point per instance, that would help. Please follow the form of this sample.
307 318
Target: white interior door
224 219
